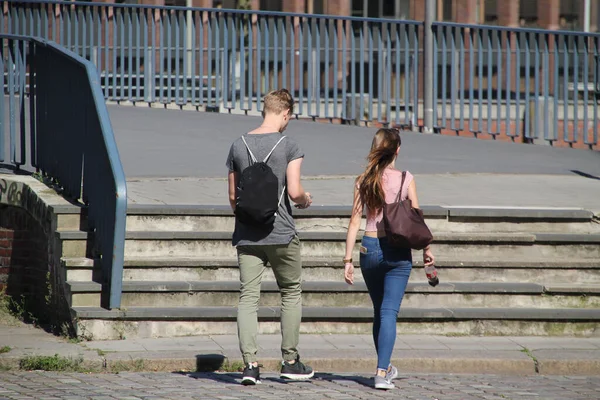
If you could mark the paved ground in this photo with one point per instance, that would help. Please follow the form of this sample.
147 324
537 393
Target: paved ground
448 190
173 143
177 157
225 386
326 353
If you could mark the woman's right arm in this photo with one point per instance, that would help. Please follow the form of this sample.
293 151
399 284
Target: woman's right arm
353 227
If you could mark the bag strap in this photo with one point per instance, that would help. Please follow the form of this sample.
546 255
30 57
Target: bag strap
284 186
268 155
401 186
273 149
249 151
281 198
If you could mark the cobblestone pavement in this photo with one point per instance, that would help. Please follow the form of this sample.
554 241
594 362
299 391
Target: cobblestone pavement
225 386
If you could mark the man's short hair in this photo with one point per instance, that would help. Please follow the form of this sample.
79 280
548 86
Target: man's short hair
278 101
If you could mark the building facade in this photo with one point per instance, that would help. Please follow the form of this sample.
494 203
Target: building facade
545 14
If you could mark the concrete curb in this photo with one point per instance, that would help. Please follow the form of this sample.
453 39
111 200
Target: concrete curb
569 367
97 364
442 365
367 365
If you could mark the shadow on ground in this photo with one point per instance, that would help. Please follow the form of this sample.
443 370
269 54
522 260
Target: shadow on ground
585 174
234 378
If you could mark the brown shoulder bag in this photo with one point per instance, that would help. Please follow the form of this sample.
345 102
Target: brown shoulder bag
404 225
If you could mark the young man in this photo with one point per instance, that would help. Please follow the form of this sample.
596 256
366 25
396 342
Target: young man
276 243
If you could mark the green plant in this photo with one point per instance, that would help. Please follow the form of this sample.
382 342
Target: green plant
128 366
51 363
101 353
19 309
78 330
236 366
38 176
4 367
6 316
48 296
456 334
530 355
5 349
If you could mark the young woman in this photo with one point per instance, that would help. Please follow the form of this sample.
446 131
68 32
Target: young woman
385 269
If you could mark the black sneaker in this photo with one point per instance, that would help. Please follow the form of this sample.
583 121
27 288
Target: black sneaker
251 375
296 371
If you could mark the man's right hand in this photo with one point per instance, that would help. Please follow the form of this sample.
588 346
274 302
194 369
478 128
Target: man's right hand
307 203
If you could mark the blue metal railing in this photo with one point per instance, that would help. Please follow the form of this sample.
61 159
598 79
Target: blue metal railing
345 68
518 83
492 79
54 101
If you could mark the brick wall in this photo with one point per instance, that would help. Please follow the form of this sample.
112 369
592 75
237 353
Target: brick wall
24 260
28 271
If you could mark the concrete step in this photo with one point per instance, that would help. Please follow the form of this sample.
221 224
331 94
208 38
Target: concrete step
335 219
340 294
573 271
453 246
69 217
96 323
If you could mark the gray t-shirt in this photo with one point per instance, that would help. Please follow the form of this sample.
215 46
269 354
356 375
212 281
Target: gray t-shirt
239 159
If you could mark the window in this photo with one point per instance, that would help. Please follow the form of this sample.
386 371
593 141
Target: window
398 9
271 5
388 9
314 7
528 13
445 11
569 15
225 4
490 13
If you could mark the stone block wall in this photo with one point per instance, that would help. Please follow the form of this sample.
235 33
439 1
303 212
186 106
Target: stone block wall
30 268
25 270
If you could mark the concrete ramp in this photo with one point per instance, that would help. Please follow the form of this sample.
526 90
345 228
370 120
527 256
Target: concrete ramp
178 157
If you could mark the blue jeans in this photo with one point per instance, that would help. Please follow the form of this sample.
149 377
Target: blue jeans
386 271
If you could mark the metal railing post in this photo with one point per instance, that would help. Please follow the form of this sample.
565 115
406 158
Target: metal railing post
428 67
149 74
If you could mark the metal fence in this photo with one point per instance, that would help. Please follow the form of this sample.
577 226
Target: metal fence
516 83
336 67
57 122
536 84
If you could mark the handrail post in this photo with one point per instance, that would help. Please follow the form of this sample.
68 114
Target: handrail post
428 67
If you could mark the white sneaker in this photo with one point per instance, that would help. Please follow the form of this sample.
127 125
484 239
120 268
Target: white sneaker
383 383
392 373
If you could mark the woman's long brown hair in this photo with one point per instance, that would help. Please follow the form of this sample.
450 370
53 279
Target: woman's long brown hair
383 150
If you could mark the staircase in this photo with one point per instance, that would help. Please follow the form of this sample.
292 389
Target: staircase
502 272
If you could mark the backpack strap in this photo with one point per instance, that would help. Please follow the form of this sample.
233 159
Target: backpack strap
280 198
268 155
284 186
249 151
273 149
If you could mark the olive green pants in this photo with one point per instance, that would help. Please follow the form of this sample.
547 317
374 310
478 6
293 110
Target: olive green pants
287 266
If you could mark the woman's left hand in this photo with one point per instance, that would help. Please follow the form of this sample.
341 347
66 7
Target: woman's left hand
349 273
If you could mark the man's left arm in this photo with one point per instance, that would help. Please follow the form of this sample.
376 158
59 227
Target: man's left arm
232 179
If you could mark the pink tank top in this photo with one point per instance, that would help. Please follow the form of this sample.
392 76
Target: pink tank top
391 186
